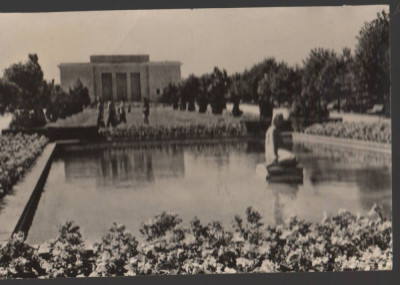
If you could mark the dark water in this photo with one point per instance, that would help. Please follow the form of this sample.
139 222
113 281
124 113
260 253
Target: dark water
96 186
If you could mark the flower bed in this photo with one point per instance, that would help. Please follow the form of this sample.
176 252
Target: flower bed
338 243
183 131
17 153
374 132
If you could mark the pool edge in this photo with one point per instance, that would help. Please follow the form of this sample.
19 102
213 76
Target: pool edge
21 206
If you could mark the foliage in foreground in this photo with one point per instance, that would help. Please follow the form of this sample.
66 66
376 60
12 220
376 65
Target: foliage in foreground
338 243
183 131
17 153
374 132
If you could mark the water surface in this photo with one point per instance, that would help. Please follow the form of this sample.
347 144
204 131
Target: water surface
96 186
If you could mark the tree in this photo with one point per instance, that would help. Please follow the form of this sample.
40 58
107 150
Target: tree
219 87
182 97
9 96
344 82
202 98
294 83
285 83
265 102
28 100
62 104
28 77
79 97
190 90
170 95
257 73
372 61
318 82
236 92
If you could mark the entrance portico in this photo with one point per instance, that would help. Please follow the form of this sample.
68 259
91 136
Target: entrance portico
117 77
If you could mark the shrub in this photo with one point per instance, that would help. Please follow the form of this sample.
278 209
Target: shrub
115 252
67 254
19 260
159 225
27 119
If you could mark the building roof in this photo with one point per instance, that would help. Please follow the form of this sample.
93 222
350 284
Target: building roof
119 59
137 58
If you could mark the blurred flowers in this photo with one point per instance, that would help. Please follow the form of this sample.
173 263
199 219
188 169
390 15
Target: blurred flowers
373 132
17 153
341 242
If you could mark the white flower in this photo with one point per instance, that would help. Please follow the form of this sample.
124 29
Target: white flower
242 262
267 266
229 270
237 237
130 273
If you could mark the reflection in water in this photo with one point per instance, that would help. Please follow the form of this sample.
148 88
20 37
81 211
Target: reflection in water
370 171
287 190
340 154
116 165
141 163
102 184
334 164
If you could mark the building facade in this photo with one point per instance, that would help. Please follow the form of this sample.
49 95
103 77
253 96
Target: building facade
121 77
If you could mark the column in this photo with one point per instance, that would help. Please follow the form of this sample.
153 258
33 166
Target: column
128 89
114 85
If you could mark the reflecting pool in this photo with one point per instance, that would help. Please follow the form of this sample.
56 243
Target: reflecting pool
96 185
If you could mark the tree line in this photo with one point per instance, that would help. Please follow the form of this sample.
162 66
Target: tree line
346 81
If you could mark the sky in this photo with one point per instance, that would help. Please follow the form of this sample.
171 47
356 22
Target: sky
234 38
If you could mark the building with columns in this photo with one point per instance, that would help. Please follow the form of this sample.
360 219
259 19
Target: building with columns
121 77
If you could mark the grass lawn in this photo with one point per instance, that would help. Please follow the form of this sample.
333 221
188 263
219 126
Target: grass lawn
159 115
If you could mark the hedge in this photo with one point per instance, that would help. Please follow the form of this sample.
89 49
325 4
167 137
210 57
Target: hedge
183 131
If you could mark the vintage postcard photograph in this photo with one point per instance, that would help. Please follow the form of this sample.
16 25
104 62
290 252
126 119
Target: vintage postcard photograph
195 141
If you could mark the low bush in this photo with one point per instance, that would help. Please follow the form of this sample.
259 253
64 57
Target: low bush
27 119
374 132
17 153
184 131
338 243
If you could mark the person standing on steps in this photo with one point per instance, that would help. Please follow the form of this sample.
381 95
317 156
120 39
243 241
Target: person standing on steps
100 115
146 110
111 115
122 113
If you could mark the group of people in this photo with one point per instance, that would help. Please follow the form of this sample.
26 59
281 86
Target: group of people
116 116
